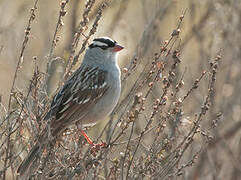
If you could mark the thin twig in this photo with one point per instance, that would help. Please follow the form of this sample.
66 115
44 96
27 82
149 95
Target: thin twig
20 60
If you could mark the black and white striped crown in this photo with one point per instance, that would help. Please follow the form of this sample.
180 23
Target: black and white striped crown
103 43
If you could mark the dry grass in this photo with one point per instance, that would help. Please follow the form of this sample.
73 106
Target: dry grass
180 108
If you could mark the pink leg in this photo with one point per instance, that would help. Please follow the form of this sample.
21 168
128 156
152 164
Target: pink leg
96 146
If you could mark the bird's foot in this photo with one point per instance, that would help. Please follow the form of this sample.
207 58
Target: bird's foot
95 147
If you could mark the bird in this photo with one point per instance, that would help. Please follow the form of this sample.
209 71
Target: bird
90 94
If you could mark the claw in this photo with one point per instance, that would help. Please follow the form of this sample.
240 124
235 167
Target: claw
95 147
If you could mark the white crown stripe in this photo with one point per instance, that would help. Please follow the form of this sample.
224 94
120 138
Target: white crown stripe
98 43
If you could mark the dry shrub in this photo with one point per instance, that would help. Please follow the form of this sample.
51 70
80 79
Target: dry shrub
179 112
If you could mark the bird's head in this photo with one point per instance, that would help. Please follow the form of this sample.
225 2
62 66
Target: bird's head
103 49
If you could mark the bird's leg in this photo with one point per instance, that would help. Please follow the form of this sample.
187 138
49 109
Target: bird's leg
87 137
95 147
91 142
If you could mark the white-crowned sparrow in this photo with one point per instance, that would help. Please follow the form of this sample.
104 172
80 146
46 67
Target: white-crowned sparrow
89 95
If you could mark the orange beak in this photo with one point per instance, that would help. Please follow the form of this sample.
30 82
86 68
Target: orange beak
118 48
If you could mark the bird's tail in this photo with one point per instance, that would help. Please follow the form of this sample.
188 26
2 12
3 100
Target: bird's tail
29 159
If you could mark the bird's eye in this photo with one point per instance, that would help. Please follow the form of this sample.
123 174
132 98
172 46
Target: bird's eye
96 45
103 47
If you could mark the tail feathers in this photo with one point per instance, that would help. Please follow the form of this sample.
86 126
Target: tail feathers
28 160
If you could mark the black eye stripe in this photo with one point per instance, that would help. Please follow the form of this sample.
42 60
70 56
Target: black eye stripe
93 46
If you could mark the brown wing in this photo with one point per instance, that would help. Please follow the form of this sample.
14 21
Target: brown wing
77 96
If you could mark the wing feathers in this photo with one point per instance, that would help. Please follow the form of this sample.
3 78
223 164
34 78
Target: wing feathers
79 93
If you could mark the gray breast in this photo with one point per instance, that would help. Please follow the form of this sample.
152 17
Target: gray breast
107 103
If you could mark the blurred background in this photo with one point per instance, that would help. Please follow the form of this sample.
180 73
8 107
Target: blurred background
209 27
